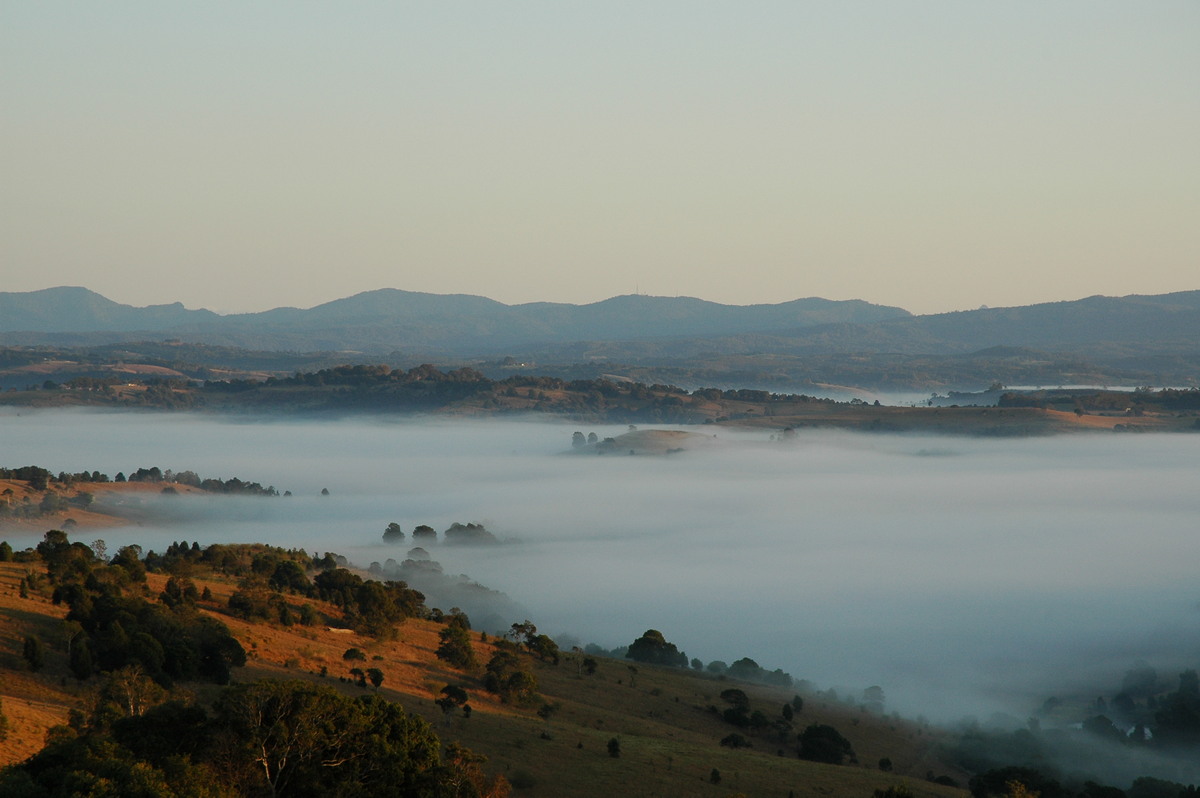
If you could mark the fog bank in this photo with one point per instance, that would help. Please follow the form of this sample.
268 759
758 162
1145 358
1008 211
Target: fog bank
961 575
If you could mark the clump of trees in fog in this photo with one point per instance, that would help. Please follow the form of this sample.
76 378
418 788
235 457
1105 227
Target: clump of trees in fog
457 534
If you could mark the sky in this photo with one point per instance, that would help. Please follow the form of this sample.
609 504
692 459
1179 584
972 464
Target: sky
934 155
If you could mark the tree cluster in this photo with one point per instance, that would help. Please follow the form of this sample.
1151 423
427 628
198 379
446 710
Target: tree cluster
282 739
111 627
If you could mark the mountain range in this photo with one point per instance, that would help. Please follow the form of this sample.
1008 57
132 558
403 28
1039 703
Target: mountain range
1104 338
387 320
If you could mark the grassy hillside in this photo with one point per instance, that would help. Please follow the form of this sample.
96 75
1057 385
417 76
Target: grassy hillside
668 735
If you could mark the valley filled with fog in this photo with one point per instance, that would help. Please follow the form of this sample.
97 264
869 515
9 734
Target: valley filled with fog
961 575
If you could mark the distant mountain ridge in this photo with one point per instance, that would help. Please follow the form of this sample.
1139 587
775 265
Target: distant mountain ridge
631 329
390 319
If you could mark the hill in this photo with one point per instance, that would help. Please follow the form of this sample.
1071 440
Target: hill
665 719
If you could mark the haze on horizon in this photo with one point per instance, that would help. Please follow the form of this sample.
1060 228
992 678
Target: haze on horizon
936 155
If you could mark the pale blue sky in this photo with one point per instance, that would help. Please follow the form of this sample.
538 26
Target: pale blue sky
932 155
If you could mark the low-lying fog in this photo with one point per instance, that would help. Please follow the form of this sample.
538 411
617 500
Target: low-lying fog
961 575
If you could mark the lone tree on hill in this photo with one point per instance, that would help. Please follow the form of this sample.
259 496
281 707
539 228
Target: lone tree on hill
821 743
653 648
455 647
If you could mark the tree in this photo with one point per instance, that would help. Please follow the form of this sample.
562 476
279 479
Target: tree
130 559
289 575
522 632
821 743
736 697
308 739
455 647
746 669
544 648
452 696
653 648
578 440
508 677
376 677
3 723
1178 715
132 690
393 533
614 747
873 699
